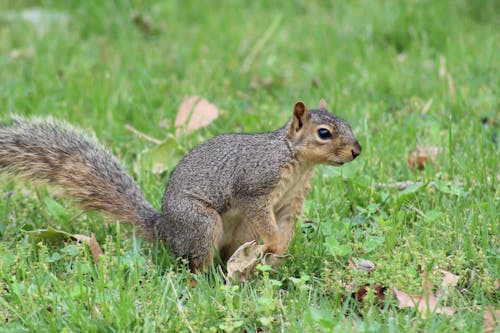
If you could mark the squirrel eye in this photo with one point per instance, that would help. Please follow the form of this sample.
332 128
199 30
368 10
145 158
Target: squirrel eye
324 134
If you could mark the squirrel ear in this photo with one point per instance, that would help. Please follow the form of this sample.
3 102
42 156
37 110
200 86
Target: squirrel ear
300 112
322 105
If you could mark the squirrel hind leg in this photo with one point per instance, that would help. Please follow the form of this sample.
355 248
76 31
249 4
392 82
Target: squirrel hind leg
195 232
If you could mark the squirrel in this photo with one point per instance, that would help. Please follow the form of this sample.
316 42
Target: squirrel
231 189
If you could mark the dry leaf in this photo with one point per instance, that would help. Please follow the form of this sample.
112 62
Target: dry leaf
424 305
81 238
427 303
359 294
449 279
272 259
193 283
55 237
94 247
244 260
194 113
491 320
422 155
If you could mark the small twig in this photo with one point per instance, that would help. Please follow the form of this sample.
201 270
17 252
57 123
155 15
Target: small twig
418 211
407 183
399 185
261 42
142 135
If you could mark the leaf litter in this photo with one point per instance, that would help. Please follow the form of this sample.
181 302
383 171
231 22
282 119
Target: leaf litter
359 293
55 237
426 303
194 113
491 320
245 259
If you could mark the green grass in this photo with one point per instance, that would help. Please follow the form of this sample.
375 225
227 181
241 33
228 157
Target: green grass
377 63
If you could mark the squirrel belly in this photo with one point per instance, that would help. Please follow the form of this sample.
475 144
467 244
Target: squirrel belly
229 190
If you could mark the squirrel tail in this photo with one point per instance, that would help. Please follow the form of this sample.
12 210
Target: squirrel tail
55 152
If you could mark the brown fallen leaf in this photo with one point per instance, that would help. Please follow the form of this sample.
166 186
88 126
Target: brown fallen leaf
427 302
421 156
450 280
94 247
424 305
359 294
194 113
246 258
193 283
491 320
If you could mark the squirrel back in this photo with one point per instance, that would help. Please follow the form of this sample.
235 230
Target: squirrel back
227 191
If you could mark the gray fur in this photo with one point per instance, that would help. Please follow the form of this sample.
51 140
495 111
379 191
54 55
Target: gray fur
220 174
231 173
54 152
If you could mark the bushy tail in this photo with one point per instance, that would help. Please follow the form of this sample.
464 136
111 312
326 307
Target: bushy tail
54 152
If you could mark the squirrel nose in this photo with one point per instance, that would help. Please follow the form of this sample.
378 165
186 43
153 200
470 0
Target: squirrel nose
356 151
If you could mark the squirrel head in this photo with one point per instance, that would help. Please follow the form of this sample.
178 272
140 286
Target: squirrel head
319 137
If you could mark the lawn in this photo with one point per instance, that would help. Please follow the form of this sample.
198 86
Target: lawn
407 75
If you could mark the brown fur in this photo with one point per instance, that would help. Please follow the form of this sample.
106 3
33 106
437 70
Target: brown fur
232 189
